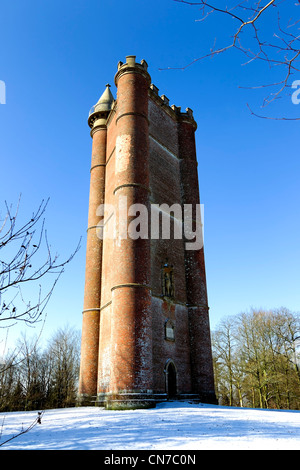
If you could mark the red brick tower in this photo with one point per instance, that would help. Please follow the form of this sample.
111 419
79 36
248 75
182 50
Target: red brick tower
146 334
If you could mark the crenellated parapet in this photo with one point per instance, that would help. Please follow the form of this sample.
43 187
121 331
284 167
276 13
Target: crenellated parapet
173 111
100 112
131 66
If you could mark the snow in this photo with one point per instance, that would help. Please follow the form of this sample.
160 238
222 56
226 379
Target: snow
169 426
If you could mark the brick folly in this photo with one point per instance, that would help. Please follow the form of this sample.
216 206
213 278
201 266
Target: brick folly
145 331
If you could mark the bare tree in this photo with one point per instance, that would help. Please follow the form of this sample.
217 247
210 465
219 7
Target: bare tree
42 377
64 357
223 345
262 31
255 359
26 259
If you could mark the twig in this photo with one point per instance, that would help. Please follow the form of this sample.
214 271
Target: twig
280 51
272 118
38 420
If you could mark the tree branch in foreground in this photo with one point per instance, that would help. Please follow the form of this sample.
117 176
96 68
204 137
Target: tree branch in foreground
264 32
38 420
26 258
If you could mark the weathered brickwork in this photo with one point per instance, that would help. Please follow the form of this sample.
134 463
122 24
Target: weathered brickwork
142 340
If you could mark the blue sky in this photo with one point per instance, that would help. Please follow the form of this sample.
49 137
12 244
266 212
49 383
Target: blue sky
57 56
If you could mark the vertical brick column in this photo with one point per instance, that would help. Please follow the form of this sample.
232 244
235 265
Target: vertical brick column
200 341
92 292
131 325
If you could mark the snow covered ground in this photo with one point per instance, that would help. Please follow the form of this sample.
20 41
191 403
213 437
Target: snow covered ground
170 426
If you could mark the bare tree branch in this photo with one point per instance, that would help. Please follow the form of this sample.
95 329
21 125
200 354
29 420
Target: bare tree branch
272 118
37 420
21 263
263 33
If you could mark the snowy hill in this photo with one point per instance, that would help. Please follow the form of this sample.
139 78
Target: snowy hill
170 426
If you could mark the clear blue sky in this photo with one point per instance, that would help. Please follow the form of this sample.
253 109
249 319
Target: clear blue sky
57 56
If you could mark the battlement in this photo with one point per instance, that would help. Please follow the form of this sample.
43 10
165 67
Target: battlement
131 66
130 61
174 111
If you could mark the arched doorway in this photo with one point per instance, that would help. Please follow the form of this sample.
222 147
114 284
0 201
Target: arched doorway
171 380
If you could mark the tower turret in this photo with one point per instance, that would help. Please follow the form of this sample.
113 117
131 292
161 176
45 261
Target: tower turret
97 121
102 108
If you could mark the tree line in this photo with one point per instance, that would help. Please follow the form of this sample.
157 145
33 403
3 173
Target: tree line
32 377
257 361
256 365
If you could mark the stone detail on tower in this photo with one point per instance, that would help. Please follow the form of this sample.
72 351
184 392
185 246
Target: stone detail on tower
167 280
145 333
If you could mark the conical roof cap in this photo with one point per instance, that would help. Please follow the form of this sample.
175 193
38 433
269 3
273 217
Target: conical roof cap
105 102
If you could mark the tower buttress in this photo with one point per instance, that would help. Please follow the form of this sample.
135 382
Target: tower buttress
196 290
92 292
131 320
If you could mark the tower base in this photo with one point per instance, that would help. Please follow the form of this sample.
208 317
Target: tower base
86 400
126 400
141 400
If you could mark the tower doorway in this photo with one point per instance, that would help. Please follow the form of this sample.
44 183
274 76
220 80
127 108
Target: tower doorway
171 379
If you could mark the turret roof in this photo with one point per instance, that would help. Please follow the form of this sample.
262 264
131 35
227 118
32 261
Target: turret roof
106 101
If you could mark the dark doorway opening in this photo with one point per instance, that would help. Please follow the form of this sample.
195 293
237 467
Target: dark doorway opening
171 378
